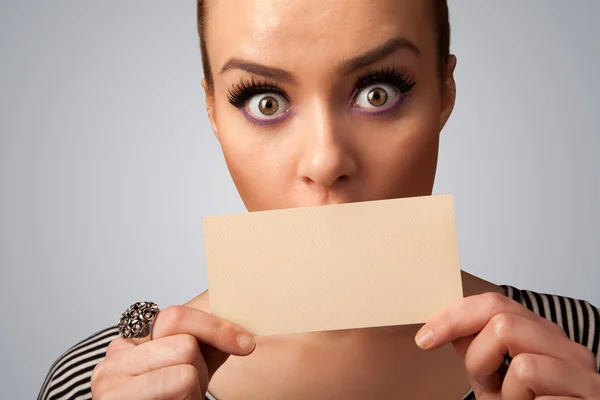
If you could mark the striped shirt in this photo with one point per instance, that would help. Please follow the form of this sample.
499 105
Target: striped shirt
69 376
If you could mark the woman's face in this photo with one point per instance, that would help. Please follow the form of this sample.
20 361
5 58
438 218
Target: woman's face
323 102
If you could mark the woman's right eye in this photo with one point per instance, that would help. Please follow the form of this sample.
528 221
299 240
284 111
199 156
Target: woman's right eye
267 106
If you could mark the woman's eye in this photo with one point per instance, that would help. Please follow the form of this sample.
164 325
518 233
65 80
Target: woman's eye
376 96
267 105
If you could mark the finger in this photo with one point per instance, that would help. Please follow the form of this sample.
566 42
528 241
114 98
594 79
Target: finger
530 376
176 382
117 345
157 354
206 328
467 317
461 345
139 341
557 398
513 334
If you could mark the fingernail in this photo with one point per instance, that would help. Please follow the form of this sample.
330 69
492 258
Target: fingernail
245 342
424 338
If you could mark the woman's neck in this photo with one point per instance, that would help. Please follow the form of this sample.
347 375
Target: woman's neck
357 363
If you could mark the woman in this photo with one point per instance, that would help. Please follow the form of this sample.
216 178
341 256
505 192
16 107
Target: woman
321 102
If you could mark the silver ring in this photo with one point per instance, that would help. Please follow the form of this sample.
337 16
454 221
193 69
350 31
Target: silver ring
136 322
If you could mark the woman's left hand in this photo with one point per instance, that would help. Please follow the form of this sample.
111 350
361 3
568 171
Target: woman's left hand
546 364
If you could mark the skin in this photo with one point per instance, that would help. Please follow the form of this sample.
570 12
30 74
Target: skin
326 151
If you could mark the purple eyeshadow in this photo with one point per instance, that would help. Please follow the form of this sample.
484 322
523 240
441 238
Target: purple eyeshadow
383 110
388 109
264 122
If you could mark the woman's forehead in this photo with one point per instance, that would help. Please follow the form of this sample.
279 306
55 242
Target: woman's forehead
291 31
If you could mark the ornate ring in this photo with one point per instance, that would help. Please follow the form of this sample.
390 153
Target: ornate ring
136 322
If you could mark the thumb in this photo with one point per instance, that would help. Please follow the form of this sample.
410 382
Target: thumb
461 345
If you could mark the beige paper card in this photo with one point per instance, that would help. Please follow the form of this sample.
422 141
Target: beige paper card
379 263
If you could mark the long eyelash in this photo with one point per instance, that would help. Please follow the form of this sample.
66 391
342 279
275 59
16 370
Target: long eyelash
390 75
239 94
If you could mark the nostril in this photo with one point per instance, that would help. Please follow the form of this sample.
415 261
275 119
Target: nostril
325 183
307 180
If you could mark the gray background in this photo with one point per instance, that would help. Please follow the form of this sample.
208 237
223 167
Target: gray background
107 161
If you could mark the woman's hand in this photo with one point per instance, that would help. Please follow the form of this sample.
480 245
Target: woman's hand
187 347
546 364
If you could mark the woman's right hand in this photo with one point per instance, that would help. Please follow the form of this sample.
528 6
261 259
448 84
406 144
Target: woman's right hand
186 349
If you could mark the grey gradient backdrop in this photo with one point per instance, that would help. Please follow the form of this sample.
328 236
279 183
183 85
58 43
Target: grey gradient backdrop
108 163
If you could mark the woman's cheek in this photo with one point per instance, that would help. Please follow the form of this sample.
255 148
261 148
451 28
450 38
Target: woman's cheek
258 172
401 158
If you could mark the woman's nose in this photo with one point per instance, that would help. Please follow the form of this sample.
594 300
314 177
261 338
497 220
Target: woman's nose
328 157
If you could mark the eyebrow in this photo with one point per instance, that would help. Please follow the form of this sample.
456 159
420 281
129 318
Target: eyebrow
345 67
277 74
377 54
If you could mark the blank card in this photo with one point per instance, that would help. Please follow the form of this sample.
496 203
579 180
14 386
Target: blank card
355 265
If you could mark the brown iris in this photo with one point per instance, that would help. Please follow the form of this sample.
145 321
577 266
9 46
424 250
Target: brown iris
377 97
268 105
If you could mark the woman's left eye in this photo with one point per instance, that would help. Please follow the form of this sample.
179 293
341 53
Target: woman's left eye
378 96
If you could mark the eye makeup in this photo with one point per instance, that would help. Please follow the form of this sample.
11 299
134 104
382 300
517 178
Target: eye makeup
243 96
395 77
239 94
392 83
387 88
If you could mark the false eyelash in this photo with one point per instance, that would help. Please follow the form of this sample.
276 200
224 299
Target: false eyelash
397 78
239 94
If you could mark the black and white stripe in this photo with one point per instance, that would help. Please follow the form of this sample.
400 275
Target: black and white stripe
69 376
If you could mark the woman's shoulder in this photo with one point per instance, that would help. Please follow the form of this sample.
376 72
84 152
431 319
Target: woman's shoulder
69 376
578 318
